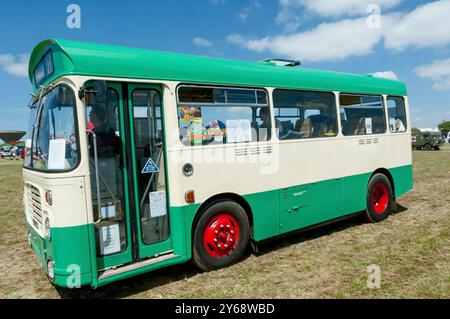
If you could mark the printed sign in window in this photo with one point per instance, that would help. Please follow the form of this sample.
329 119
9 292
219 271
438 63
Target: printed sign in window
57 154
109 239
158 204
368 125
238 131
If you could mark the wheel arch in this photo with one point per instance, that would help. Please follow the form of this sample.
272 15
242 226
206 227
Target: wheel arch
223 197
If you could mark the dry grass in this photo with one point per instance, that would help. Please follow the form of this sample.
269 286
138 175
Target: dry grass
412 248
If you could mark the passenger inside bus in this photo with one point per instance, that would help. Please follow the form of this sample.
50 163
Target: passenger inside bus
265 128
108 143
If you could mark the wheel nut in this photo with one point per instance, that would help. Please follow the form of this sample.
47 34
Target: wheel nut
226 246
228 226
232 231
231 240
216 232
221 226
219 245
215 240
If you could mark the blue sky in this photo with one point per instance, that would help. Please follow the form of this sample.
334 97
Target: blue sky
410 41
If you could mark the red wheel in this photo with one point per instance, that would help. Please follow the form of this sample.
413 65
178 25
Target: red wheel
221 235
379 198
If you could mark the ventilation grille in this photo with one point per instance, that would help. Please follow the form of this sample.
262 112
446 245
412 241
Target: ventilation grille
252 150
35 206
368 141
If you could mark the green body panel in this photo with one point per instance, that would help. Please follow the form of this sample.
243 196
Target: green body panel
354 190
90 59
274 213
304 205
403 179
68 246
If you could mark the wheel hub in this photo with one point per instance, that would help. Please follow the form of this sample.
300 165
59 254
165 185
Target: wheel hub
221 235
379 198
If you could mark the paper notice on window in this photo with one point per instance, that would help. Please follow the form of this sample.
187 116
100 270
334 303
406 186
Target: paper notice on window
158 204
392 124
57 154
109 239
28 143
238 131
368 125
108 211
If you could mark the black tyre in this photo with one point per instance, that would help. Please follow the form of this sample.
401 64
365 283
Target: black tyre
427 147
220 236
380 200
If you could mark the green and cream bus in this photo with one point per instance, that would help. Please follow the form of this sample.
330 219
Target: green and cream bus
136 160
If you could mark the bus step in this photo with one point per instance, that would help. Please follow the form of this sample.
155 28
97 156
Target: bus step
148 262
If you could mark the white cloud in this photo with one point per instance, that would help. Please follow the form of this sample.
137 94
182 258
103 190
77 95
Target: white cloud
328 41
17 66
387 75
248 10
336 8
6 58
201 42
438 72
426 26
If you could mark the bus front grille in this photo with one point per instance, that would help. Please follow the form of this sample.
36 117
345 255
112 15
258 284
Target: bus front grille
35 206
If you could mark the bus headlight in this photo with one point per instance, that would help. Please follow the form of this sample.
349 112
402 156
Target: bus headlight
51 269
47 229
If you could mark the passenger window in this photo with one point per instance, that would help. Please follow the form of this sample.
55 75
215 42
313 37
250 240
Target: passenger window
397 114
362 115
304 114
211 116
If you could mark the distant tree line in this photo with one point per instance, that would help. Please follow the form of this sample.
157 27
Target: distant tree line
444 127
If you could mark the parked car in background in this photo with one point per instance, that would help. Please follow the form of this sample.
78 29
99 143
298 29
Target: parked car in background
6 152
427 141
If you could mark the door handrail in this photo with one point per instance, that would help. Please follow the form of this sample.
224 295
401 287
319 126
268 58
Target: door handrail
97 180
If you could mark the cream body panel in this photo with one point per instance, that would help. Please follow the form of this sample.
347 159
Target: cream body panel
68 200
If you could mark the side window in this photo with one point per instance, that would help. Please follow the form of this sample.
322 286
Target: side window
214 115
396 114
362 115
304 114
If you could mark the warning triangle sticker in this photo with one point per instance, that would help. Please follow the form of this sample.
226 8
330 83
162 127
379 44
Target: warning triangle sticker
150 167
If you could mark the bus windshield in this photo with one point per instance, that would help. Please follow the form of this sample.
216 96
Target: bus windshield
52 143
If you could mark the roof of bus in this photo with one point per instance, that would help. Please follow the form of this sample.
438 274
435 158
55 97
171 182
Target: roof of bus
91 59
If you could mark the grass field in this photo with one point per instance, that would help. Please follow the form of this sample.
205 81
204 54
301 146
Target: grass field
412 249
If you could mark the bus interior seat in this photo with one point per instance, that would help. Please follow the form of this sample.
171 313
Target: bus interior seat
286 126
298 124
305 128
360 127
319 125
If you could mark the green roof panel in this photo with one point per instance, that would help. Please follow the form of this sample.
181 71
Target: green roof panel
90 59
